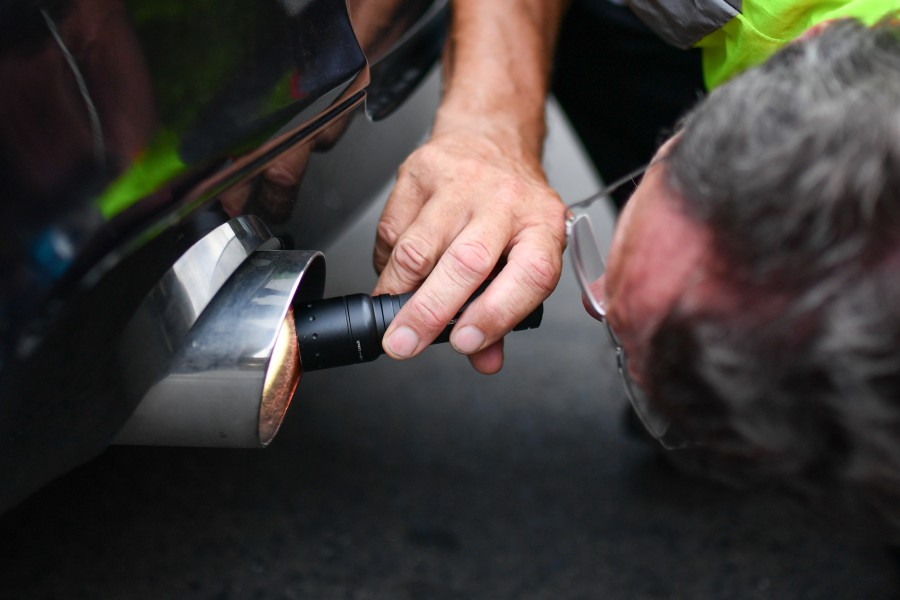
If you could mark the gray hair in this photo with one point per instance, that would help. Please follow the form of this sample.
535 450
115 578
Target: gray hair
794 167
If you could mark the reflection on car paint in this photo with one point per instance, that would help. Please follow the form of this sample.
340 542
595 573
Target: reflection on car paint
128 130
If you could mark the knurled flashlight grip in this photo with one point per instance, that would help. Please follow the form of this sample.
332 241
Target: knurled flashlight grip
346 330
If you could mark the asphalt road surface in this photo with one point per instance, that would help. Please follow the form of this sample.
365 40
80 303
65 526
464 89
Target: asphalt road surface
425 480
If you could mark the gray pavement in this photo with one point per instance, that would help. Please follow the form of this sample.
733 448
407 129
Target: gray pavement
425 480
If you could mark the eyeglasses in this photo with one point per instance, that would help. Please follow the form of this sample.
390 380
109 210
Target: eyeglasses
589 264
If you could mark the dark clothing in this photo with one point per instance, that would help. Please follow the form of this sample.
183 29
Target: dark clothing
622 87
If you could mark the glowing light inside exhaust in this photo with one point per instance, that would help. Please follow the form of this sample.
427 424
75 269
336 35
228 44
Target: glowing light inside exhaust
281 380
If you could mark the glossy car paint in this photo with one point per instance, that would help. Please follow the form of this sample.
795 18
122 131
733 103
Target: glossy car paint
129 130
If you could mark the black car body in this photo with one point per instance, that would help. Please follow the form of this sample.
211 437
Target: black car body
136 133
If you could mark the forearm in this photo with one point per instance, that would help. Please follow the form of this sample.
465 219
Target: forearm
497 68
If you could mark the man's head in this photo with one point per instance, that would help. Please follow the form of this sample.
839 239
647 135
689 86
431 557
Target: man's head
754 277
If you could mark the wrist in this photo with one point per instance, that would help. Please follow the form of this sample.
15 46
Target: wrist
515 135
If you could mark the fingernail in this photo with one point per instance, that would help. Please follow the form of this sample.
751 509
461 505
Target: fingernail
468 339
402 342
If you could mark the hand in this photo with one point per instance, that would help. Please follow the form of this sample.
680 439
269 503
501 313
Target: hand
462 203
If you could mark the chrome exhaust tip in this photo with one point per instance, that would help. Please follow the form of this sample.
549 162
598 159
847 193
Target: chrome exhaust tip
230 375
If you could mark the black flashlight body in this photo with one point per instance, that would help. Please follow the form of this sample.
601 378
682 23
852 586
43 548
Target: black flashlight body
347 330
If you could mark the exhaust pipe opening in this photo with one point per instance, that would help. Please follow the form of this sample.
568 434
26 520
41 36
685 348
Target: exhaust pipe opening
226 377
281 380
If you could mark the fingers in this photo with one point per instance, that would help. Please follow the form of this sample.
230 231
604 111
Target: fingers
403 205
530 274
466 263
429 207
459 207
489 360
414 254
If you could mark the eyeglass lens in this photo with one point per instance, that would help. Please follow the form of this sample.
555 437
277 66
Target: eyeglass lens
587 259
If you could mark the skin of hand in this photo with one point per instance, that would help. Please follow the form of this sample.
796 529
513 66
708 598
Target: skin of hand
474 201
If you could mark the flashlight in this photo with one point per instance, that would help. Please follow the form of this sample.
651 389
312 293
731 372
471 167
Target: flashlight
346 330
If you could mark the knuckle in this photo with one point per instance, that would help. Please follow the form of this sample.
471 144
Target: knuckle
429 311
421 161
425 154
412 179
540 273
511 191
387 230
471 260
411 257
406 168
501 313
